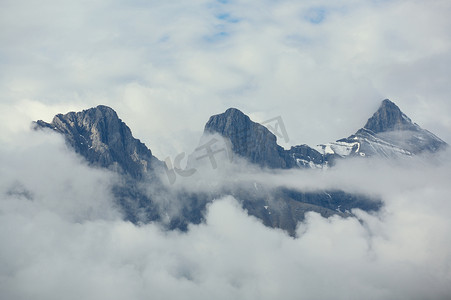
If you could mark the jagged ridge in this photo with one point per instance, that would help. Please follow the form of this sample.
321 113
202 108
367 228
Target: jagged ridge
104 140
389 118
257 144
388 133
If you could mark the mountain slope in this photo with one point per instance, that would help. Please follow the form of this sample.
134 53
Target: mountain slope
257 144
104 140
388 133
248 139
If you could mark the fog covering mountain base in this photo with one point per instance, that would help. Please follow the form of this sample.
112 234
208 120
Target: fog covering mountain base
63 235
143 194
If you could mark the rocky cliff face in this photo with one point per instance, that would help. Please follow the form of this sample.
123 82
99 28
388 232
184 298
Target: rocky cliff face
248 139
257 144
104 140
389 118
388 133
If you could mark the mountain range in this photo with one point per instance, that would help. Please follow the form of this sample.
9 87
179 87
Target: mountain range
105 141
389 133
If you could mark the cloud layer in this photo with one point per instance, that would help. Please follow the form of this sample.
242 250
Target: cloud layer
166 67
62 236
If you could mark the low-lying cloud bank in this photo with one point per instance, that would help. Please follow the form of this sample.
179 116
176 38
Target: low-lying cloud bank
63 237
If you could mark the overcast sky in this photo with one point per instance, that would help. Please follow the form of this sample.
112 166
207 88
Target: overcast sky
166 67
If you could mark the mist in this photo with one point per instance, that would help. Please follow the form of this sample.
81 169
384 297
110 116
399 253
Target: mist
63 236
166 67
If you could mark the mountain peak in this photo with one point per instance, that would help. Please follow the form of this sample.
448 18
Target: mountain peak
233 110
389 133
389 118
388 102
257 143
104 109
232 117
104 140
249 139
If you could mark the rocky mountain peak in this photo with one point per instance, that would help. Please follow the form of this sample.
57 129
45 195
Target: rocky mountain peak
389 118
258 144
235 111
249 139
104 140
231 119
388 133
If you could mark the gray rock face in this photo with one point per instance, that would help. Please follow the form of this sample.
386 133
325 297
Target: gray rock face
257 144
281 208
285 208
389 118
249 139
104 140
388 133
303 156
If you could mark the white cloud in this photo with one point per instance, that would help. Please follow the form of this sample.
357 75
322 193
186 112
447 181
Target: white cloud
189 61
63 237
37 168
166 67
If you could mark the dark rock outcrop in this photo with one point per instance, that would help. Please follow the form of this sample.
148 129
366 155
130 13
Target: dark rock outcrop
389 118
388 133
257 144
99 136
248 139
284 207
104 141
281 207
